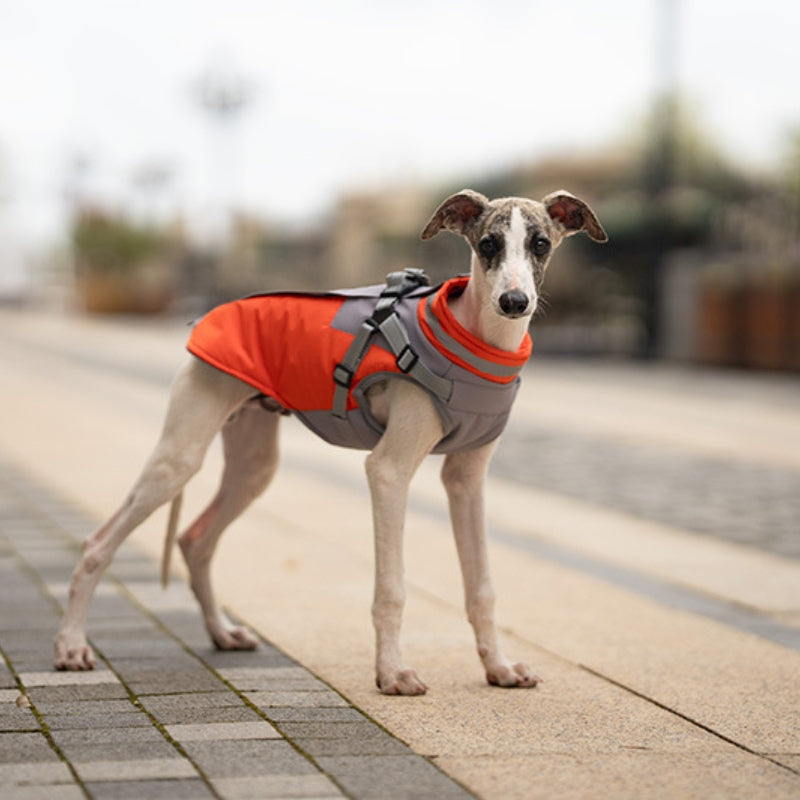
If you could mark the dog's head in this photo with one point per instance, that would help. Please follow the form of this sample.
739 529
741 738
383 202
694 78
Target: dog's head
512 240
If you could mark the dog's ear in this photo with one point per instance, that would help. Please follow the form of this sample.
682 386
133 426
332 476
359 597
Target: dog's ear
457 213
574 215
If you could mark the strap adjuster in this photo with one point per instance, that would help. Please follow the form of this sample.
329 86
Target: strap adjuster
342 376
406 359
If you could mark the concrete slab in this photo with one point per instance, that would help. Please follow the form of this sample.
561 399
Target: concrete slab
623 775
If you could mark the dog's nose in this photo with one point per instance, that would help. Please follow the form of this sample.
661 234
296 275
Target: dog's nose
514 303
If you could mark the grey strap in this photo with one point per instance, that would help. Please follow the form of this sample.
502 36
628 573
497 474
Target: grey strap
385 320
345 370
408 361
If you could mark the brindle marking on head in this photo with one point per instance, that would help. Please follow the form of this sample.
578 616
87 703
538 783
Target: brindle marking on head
494 224
481 220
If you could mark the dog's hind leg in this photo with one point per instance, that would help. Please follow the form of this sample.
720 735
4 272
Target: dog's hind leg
202 399
250 441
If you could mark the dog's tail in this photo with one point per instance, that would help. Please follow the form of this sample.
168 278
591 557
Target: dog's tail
169 541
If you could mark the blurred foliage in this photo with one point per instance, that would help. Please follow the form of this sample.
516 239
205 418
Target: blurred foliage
103 242
665 192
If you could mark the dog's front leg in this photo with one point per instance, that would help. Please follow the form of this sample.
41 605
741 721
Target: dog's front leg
463 475
412 429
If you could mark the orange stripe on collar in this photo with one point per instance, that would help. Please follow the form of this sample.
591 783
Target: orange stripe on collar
451 339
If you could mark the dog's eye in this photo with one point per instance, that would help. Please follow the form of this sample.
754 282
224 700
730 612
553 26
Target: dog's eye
489 246
541 246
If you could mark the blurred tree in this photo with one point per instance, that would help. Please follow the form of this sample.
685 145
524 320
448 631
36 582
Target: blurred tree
105 243
121 266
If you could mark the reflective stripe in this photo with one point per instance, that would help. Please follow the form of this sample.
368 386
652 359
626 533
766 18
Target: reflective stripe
457 349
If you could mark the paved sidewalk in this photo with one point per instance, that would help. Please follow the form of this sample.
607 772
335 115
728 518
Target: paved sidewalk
165 715
670 659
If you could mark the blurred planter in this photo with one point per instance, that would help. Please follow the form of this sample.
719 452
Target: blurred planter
145 288
766 326
719 325
751 323
121 267
793 325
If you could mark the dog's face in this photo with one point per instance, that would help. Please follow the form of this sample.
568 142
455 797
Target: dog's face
512 240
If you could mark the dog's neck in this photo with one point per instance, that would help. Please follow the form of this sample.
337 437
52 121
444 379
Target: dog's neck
474 310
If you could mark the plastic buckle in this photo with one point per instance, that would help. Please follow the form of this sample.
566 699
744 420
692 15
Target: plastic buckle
342 376
406 359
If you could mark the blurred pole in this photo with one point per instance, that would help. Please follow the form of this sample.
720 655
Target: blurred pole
223 94
150 180
660 165
662 156
78 169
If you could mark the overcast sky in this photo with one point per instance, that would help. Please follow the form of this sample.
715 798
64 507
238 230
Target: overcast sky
356 92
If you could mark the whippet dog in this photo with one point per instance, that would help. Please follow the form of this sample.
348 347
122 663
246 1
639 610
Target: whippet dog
402 384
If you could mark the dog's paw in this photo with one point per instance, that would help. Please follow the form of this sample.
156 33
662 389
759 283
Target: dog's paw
404 682
234 638
73 654
513 676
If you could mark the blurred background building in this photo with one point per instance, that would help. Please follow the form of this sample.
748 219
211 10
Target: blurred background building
161 159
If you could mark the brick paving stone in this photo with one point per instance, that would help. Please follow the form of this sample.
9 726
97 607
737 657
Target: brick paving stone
253 679
330 730
225 759
162 706
313 714
23 748
140 648
18 719
39 791
376 745
265 656
222 731
236 711
135 719
91 736
45 695
407 777
269 787
116 751
39 773
89 708
151 790
66 678
148 769
317 699
147 682
147 664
